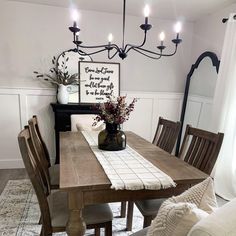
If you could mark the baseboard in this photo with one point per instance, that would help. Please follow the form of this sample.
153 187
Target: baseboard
11 164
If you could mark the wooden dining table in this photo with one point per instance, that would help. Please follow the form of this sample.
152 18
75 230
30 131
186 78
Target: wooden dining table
82 176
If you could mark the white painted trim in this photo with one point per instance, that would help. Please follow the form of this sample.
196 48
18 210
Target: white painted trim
11 164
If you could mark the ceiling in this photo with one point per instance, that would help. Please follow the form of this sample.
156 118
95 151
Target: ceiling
189 10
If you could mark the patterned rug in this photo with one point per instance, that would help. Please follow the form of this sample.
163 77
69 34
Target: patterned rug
19 213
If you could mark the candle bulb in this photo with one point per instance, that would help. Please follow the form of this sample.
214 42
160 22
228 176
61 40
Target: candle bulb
146 13
110 38
178 27
74 17
162 37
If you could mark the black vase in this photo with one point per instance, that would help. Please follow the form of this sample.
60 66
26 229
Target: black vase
112 138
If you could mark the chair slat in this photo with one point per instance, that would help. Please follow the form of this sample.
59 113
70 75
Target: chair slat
190 149
166 134
203 150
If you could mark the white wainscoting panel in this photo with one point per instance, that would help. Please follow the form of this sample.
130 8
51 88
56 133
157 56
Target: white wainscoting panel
198 112
10 121
141 118
39 105
149 107
17 106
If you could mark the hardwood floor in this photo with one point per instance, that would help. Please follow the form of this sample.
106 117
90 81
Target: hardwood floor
11 174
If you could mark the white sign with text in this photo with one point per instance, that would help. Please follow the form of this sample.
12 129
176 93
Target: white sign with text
98 80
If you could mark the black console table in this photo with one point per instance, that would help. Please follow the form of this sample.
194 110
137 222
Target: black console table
62 114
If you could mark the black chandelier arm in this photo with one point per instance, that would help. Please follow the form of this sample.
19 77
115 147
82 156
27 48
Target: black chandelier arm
92 53
106 46
91 47
132 46
82 53
156 58
109 56
159 54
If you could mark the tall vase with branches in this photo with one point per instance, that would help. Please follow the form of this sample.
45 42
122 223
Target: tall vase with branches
59 75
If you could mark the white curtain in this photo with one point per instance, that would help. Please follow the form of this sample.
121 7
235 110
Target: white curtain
224 115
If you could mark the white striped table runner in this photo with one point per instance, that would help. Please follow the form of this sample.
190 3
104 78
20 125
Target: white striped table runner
127 169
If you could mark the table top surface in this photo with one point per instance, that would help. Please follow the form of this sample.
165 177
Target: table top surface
80 169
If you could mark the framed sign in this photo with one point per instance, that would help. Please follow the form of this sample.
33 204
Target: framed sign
98 80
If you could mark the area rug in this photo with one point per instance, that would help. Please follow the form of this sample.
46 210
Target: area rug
20 214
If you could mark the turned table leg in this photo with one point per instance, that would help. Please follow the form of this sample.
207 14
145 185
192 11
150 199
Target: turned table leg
75 225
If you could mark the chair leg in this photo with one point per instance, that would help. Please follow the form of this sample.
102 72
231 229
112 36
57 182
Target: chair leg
123 210
147 221
42 233
108 229
97 231
129 221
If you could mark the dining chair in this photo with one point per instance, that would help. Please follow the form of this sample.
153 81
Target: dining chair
54 205
200 148
165 138
166 134
52 171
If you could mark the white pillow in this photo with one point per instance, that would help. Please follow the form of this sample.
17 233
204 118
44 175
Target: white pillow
220 222
202 194
176 219
177 215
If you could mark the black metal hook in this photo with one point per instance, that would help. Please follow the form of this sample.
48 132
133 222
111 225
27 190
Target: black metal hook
226 19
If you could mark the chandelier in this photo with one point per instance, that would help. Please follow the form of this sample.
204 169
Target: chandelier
122 51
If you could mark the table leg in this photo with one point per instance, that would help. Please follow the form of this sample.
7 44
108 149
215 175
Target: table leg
75 225
129 220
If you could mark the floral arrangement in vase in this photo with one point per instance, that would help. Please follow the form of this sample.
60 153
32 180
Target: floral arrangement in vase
114 112
59 75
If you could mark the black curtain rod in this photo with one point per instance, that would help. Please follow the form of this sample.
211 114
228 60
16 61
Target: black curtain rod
226 19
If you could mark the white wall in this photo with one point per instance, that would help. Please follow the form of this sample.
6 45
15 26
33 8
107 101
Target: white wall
31 34
209 32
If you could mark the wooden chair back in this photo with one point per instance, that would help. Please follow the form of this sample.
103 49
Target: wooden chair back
38 178
34 127
166 134
38 145
200 148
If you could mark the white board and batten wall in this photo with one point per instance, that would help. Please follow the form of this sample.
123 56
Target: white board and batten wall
19 104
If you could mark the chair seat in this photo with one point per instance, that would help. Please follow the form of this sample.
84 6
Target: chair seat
93 214
54 172
142 232
149 207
